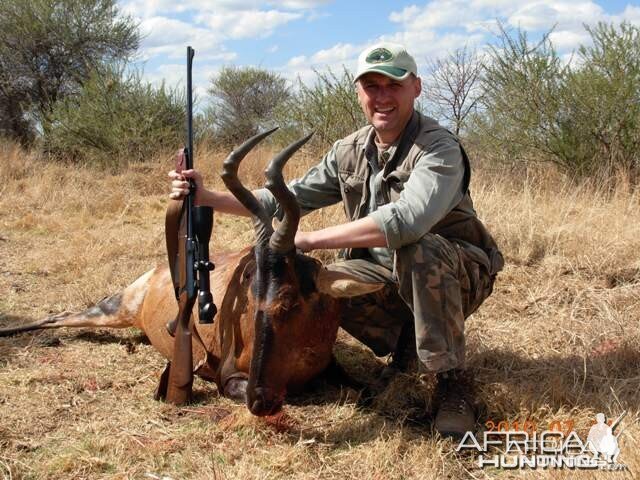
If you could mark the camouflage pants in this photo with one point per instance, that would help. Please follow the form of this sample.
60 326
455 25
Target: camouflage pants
436 283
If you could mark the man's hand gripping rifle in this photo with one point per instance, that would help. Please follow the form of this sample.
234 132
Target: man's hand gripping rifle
191 226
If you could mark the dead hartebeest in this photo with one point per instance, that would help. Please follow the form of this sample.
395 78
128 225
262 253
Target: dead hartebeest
278 312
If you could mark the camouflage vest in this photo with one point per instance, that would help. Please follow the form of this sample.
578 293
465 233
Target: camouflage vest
461 224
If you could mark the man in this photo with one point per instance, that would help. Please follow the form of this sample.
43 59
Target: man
403 181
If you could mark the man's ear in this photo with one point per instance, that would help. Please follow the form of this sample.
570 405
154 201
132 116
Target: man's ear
417 85
342 285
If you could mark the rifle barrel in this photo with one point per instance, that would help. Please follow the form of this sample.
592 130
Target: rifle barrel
190 53
190 284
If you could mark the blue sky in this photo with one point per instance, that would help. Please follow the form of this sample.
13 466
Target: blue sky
294 37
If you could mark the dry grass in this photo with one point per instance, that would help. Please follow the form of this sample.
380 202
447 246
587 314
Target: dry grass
558 340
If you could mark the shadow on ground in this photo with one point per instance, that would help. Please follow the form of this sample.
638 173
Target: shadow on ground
506 382
514 381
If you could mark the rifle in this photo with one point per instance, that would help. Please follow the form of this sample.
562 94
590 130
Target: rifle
193 266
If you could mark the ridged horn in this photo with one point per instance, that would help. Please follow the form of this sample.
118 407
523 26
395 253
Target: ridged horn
282 240
261 222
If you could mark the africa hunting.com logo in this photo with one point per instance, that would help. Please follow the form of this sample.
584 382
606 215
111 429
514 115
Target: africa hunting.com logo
514 446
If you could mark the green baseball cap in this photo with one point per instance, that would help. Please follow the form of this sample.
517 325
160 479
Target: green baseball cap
390 59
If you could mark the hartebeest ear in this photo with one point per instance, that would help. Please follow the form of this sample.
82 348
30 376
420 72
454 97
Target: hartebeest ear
342 285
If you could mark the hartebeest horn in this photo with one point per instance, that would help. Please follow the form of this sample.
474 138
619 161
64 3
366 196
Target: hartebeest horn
282 240
261 221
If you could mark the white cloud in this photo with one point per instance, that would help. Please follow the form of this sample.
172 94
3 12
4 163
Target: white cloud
156 40
406 15
299 4
316 15
334 58
630 14
246 23
155 32
214 20
438 27
567 40
212 24
152 8
337 53
174 75
296 61
432 15
479 14
543 15
429 29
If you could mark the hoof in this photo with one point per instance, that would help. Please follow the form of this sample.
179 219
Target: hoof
236 389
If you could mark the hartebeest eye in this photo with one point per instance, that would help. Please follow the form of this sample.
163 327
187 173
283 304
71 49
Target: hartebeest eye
285 302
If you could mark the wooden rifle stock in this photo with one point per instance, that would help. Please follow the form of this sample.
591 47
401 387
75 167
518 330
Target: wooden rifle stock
180 379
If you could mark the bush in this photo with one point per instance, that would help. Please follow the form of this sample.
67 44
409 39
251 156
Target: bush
583 117
601 128
329 107
520 99
114 119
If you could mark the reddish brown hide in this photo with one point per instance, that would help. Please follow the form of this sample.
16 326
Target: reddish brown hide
278 311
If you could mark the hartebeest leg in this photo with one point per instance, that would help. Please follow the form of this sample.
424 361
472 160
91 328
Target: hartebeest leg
117 311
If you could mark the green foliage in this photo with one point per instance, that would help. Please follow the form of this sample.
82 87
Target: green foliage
520 86
244 100
114 119
48 49
603 103
329 107
584 117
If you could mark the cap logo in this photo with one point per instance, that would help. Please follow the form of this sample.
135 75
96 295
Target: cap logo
379 55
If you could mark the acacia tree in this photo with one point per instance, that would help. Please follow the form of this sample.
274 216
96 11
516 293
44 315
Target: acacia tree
583 117
48 49
452 89
244 101
601 131
522 96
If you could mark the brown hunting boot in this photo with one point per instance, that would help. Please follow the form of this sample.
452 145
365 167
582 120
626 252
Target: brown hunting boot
455 413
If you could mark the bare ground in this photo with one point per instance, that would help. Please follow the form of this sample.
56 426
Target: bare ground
559 340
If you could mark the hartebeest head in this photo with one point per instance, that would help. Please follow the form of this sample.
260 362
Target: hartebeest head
295 307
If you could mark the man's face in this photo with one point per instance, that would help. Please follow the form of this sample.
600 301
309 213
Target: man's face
387 103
